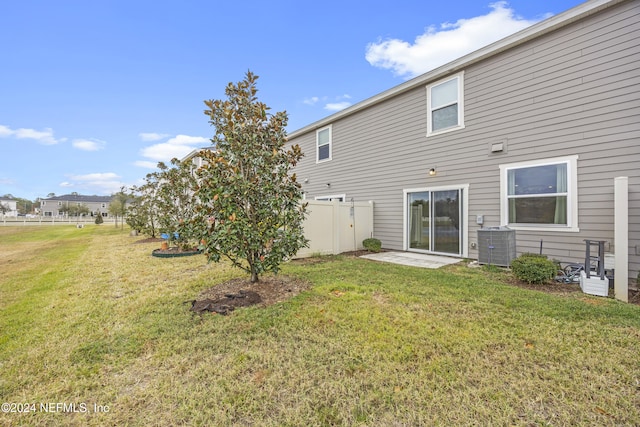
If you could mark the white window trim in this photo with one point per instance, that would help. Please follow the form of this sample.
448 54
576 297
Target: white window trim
464 214
572 206
430 131
333 196
330 144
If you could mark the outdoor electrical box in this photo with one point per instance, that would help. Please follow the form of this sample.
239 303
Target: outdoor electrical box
496 246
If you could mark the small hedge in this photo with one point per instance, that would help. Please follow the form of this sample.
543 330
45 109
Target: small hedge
533 268
371 244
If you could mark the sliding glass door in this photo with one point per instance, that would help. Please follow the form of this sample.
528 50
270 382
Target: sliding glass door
434 221
419 220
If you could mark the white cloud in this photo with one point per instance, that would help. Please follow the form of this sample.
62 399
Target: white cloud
437 46
311 101
94 183
164 152
145 164
178 146
44 137
94 177
151 136
337 106
187 140
88 144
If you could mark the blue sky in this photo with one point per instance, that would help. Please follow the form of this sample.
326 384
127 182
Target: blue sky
94 94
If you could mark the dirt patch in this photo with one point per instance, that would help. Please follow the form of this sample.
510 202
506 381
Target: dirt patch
551 288
326 258
240 292
149 240
226 304
567 289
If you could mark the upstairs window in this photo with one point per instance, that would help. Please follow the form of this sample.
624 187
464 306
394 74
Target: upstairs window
323 144
445 105
338 197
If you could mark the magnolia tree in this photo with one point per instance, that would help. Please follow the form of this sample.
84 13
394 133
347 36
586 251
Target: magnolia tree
165 203
142 213
250 208
175 202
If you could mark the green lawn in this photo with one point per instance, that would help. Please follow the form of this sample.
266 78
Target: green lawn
90 321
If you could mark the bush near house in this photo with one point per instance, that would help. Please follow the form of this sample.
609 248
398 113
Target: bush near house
534 268
371 244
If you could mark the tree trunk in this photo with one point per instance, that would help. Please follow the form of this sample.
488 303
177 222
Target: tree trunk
254 276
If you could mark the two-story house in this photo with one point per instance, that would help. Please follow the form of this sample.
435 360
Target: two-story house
59 205
539 132
8 207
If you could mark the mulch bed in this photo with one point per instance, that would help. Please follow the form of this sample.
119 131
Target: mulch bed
240 292
567 289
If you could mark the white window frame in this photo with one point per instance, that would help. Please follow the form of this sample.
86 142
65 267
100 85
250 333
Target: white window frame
460 77
329 128
332 197
572 196
464 215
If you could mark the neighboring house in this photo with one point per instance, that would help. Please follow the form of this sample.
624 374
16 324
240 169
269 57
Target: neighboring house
529 132
195 158
57 205
9 207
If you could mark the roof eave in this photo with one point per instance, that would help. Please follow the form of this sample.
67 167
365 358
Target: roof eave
543 27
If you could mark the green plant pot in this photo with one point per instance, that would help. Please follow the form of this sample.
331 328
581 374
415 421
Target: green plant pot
159 253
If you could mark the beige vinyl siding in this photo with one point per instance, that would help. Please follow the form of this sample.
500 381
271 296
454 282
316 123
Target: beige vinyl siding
573 91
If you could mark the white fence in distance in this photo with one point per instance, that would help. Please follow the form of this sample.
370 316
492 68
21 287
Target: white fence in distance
335 227
56 220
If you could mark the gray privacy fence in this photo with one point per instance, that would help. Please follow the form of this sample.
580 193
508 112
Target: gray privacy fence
335 227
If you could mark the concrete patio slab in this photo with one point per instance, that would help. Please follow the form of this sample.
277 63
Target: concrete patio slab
413 259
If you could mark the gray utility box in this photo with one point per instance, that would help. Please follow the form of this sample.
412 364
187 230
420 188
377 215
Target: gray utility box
496 246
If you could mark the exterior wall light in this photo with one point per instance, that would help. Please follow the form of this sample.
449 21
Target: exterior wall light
432 172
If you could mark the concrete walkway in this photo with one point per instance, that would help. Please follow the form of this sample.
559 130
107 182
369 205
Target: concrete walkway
413 259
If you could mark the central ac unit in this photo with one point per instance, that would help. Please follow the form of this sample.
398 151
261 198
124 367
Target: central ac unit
496 246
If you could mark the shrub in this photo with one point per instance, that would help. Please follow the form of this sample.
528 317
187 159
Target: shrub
533 268
371 244
99 219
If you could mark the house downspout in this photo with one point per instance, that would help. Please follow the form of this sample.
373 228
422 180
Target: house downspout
621 238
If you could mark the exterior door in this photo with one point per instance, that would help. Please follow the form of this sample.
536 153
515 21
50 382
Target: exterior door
434 221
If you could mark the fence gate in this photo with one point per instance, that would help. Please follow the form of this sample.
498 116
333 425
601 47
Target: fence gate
335 227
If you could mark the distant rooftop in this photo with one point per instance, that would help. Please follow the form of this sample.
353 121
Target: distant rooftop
196 152
80 198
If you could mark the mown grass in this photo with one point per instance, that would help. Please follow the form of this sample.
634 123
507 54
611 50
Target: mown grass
89 317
